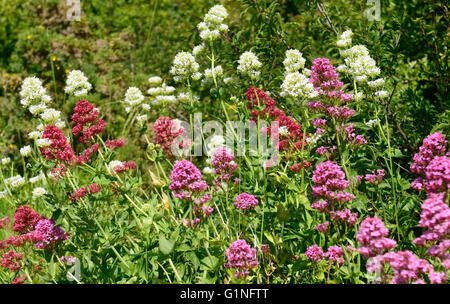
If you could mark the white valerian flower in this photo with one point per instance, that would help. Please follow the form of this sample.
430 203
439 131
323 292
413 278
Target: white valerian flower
155 80
37 178
6 160
283 131
312 140
43 142
37 109
38 192
372 122
50 115
133 96
381 94
15 181
249 65
77 83
35 134
294 61
165 99
60 123
184 66
358 63
208 170
296 85
198 49
218 71
32 92
211 26
167 89
217 141
183 97
359 96
345 40
146 106
40 127
25 151
3 194
376 83
141 118
114 164
228 80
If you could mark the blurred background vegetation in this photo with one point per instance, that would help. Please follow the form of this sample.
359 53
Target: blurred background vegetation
121 43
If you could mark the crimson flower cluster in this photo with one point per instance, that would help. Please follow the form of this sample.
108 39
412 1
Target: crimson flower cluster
86 121
372 235
59 148
167 130
223 164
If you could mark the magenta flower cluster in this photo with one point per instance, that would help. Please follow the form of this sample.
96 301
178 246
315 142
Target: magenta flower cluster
223 164
50 234
375 177
186 179
245 201
316 254
372 236
242 258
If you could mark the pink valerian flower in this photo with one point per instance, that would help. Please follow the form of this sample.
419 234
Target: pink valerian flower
70 260
94 188
4 222
437 175
242 258
330 183
323 227
326 151
79 193
345 216
350 136
59 149
437 277
191 223
321 205
58 172
442 252
317 106
19 280
298 166
435 217
126 165
20 240
314 253
335 254
245 201
167 130
87 154
186 179
11 260
319 122
372 236
406 266
51 234
223 164
115 143
25 219
86 121
343 113
433 145
199 209
375 177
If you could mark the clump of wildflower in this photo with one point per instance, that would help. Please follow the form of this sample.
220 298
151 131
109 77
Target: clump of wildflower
242 258
33 93
345 40
39 192
162 94
79 193
25 151
86 121
50 115
77 83
59 147
11 260
6 161
335 254
167 130
115 143
323 227
94 188
25 219
4 222
330 182
372 236
437 175
223 164
375 177
15 181
51 234
133 97
245 201
294 61
406 266
186 179
296 85
315 253
184 67
212 24
249 65
36 178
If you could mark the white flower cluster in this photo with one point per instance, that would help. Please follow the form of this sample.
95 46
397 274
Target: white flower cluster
33 93
77 84
133 97
312 140
218 72
212 25
35 134
249 65
358 62
297 85
3 194
345 40
161 93
15 181
141 118
38 192
25 151
376 83
37 178
43 142
51 116
198 49
371 122
283 131
294 61
6 160
184 66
